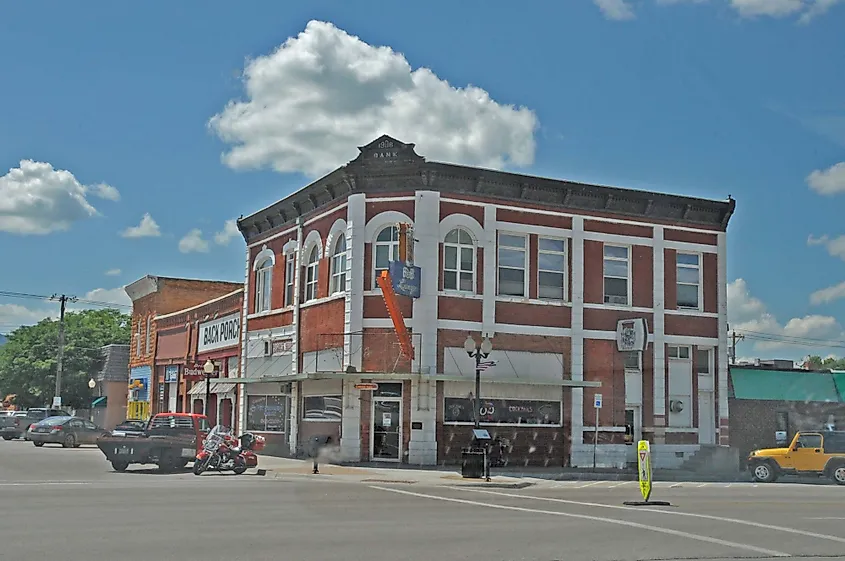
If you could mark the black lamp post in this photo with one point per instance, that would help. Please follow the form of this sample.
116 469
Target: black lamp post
208 368
478 352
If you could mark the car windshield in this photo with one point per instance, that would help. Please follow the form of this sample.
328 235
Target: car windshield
53 421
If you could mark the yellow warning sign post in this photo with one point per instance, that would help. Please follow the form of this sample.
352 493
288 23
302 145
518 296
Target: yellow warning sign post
644 468
644 476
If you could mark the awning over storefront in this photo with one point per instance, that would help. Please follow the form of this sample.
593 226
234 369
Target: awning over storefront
100 401
216 387
781 385
390 376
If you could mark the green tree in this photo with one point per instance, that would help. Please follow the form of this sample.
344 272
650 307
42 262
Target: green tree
28 359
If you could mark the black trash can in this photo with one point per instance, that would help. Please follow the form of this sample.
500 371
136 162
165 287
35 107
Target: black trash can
472 463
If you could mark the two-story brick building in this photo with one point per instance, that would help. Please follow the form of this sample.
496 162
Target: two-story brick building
152 296
559 276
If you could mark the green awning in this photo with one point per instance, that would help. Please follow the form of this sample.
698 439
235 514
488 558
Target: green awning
839 380
100 401
780 385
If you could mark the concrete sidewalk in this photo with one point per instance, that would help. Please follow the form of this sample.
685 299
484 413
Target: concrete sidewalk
501 477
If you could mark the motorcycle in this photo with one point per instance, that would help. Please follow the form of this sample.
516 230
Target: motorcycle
222 451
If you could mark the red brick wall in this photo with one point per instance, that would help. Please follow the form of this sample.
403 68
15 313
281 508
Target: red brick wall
375 307
618 229
670 269
689 237
539 315
593 272
405 207
551 221
606 319
463 309
269 322
642 271
691 326
710 281
474 211
602 362
320 325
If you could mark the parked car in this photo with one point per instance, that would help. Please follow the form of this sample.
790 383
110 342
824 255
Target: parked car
15 425
130 427
70 432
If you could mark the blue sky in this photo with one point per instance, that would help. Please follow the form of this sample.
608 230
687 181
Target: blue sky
705 98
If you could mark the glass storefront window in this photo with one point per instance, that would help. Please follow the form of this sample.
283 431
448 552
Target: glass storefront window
266 413
503 411
322 408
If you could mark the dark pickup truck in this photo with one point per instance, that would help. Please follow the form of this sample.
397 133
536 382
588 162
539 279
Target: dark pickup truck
171 441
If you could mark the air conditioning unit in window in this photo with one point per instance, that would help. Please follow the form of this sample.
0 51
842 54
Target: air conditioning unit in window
617 300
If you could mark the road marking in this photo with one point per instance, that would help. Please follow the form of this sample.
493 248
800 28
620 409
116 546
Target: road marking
590 484
618 485
675 486
31 484
827 518
628 523
670 512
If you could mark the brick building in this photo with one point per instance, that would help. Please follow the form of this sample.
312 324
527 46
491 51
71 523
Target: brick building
152 296
185 340
559 276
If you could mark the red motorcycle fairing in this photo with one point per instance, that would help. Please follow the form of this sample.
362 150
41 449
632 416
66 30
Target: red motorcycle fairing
203 455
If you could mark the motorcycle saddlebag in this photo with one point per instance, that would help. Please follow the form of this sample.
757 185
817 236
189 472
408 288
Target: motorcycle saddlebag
251 461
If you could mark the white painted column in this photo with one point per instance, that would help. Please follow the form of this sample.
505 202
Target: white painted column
427 236
294 416
488 314
294 359
722 350
577 360
422 448
356 218
350 430
242 388
659 335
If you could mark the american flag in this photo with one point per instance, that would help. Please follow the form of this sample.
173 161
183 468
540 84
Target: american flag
485 364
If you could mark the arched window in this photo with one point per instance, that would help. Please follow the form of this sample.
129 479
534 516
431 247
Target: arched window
338 283
386 250
263 285
312 270
459 261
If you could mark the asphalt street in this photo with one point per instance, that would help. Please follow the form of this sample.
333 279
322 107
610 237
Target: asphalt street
68 504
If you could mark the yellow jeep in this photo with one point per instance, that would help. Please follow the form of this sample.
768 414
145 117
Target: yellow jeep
811 453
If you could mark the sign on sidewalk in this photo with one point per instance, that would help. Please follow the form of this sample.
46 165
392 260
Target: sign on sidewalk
644 468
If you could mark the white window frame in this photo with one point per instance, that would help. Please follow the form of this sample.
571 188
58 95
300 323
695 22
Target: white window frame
674 352
312 274
627 260
393 251
565 270
525 289
711 365
264 279
678 267
290 278
138 338
322 396
285 399
147 336
458 246
338 266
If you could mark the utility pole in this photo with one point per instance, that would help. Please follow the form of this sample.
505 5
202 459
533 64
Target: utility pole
63 300
734 339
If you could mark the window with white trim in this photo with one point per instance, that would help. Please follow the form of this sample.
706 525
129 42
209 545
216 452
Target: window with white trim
138 337
511 263
263 285
149 326
458 261
290 277
338 280
702 361
617 277
312 271
688 283
551 268
386 249
679 352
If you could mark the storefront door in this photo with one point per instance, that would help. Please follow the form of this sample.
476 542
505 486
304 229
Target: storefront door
386 442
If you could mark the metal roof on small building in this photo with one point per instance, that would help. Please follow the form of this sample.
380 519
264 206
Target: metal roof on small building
785 385
115 363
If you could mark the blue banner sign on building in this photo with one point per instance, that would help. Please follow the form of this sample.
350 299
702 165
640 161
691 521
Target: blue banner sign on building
406 279
171 374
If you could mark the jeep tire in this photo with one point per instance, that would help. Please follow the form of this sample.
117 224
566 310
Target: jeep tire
837 473
763 472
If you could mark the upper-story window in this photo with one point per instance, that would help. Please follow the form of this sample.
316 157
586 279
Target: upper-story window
551 268
688 280
617 277
459 261
312 270
149 330
290 277
386 250
512 264
263 285
138 337
338 282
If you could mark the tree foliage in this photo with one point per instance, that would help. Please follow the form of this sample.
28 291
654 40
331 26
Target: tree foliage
819 363
28 360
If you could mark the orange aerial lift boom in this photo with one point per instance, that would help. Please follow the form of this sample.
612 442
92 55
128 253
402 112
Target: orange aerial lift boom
390 300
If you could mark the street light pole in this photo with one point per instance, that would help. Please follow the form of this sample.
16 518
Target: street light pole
208 368
477 352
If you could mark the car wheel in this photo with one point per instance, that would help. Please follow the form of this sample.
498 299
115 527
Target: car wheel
8 437
763 472
38 444
119 465
70 441
837 474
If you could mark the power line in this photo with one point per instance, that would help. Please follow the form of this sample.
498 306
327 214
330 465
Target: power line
27 296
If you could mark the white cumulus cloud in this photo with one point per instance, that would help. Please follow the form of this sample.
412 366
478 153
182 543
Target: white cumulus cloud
618 10
13 315
747 314
309 103
113 272
229 231
834 246
146 229
116 296
35 198
828 294
830 181
773 8
193 242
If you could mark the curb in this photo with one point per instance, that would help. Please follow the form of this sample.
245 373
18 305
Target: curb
493 485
